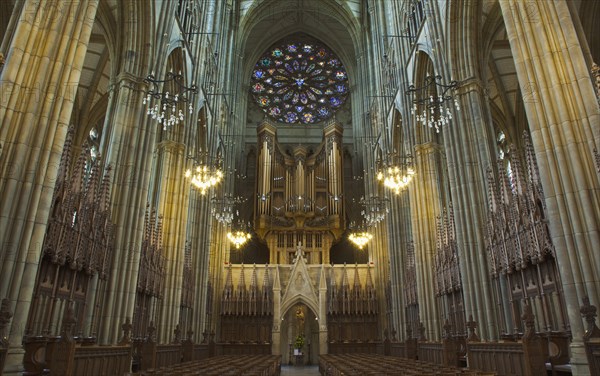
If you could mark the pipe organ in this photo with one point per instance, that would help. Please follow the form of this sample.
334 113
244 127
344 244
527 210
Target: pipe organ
299 194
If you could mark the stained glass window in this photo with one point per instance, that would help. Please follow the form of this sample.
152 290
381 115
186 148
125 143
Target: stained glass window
299 81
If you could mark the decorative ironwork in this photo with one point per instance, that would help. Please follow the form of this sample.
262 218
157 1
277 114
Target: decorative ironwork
436 109
166 107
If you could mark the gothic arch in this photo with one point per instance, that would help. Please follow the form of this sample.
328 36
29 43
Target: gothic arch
290 303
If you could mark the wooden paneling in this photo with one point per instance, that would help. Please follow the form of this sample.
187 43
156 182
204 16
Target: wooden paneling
102 360
505 358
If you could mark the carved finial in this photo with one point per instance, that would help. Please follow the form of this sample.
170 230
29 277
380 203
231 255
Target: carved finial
422 332
68 323
529 320
588 311
5 316
190 334
472 325
126 327
151 331
408 331
205 337
394 339
447 329
2 61
177 334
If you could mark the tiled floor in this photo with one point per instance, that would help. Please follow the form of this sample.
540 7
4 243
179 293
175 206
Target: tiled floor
299 371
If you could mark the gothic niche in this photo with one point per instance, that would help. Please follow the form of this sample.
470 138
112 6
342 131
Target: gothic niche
247 309
76 253
352 309
519 247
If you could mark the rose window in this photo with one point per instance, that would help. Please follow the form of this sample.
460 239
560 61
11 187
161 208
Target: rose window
299 82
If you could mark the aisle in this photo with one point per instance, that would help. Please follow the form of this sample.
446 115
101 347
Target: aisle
299 371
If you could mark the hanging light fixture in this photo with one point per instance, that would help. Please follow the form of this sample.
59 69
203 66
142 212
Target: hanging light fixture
167 108
375 209
360 239
436 109
204 176
398 173
240 233
223 208
360 235
238 238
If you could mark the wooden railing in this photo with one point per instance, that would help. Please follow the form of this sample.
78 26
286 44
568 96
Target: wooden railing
430 352
243 349
102 360
398 349
505 358
354 347
3 352
591 338
167 355
200 351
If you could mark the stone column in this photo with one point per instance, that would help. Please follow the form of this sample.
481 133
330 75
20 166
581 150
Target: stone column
322 314
276 330
37 91
467 149
563 115
425 206
173 206
127 144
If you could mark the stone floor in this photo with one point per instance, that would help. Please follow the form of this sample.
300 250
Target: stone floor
299 371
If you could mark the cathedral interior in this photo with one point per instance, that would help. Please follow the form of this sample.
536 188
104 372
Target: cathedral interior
353 184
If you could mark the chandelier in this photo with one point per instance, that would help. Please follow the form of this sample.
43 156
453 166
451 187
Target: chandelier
375 210
238 238
397 176
223 208
360 239
359 234
166 108
436 109
240 233
204 176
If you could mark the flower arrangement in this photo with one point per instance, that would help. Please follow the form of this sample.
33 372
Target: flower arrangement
299 343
